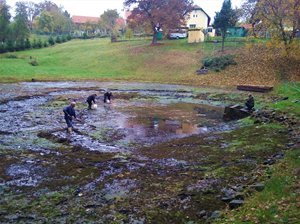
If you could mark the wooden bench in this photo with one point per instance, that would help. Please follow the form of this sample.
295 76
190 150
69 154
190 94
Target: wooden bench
251 88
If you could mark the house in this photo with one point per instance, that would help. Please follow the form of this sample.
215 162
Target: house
86 24
197 19
80 20
197 22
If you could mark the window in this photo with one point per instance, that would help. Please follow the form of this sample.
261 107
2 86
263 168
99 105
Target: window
192 26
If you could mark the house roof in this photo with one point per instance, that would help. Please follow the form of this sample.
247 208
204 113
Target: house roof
247 26
85 19
196 7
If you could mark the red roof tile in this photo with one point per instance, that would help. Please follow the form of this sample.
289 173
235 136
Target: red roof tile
247 26
85 19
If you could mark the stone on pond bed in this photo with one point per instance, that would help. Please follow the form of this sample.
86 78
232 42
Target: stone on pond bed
235 204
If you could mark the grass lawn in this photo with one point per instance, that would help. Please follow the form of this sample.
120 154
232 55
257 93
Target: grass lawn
174 61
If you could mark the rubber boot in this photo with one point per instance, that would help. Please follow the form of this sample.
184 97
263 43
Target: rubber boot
70 130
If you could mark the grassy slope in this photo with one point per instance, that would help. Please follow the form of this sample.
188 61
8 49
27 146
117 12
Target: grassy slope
172 62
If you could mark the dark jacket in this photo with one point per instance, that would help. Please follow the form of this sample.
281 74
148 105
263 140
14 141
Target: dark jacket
69 112
107 96
250 103
91 98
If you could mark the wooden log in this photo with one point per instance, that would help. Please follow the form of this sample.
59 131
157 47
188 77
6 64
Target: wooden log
251 88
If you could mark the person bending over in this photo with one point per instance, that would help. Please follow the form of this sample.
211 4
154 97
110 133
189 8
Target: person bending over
91 100
107 96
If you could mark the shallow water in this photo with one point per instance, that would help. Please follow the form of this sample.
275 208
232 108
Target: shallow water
157 153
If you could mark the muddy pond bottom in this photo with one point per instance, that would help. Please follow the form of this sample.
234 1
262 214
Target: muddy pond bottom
155 154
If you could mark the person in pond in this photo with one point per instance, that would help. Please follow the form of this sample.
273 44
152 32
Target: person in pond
70 113
91 100
107 96
250 103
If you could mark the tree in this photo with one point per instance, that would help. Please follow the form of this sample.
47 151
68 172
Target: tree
32 13
45 22
4 20
156 14
21 29
280 17
108 20
52 18
224 19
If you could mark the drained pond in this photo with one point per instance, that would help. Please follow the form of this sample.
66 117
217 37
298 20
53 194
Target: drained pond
155 154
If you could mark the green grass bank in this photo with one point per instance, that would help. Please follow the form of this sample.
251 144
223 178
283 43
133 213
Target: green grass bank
99 59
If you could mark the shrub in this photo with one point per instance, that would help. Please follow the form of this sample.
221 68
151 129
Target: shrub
11 56
69 37
45 44
10 46
27 44
129 34
58 40
20 45
2 48
33 62
51 40
39 43
34 44
63 39
219 63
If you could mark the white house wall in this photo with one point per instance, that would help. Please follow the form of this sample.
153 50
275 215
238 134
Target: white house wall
198 18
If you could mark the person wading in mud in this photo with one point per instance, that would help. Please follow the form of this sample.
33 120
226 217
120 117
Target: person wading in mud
91 100
250 103
107 96
69 112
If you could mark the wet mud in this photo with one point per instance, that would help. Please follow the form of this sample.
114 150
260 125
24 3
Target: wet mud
156 154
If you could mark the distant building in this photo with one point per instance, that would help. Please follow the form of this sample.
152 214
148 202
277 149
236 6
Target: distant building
80 20
197 22
197 19
236 31
86 24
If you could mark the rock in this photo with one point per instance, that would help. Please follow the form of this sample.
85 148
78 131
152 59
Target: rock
227 199
269 161
258 186
228 192
235 204
290 145
201 214
239 196
216 215
278 156
202 71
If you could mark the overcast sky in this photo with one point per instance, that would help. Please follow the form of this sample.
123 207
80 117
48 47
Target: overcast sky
97 7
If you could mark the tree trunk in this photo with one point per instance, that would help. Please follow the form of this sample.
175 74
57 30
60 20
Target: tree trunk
154 39
223 41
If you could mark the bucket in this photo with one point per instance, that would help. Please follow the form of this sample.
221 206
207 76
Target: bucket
94 106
